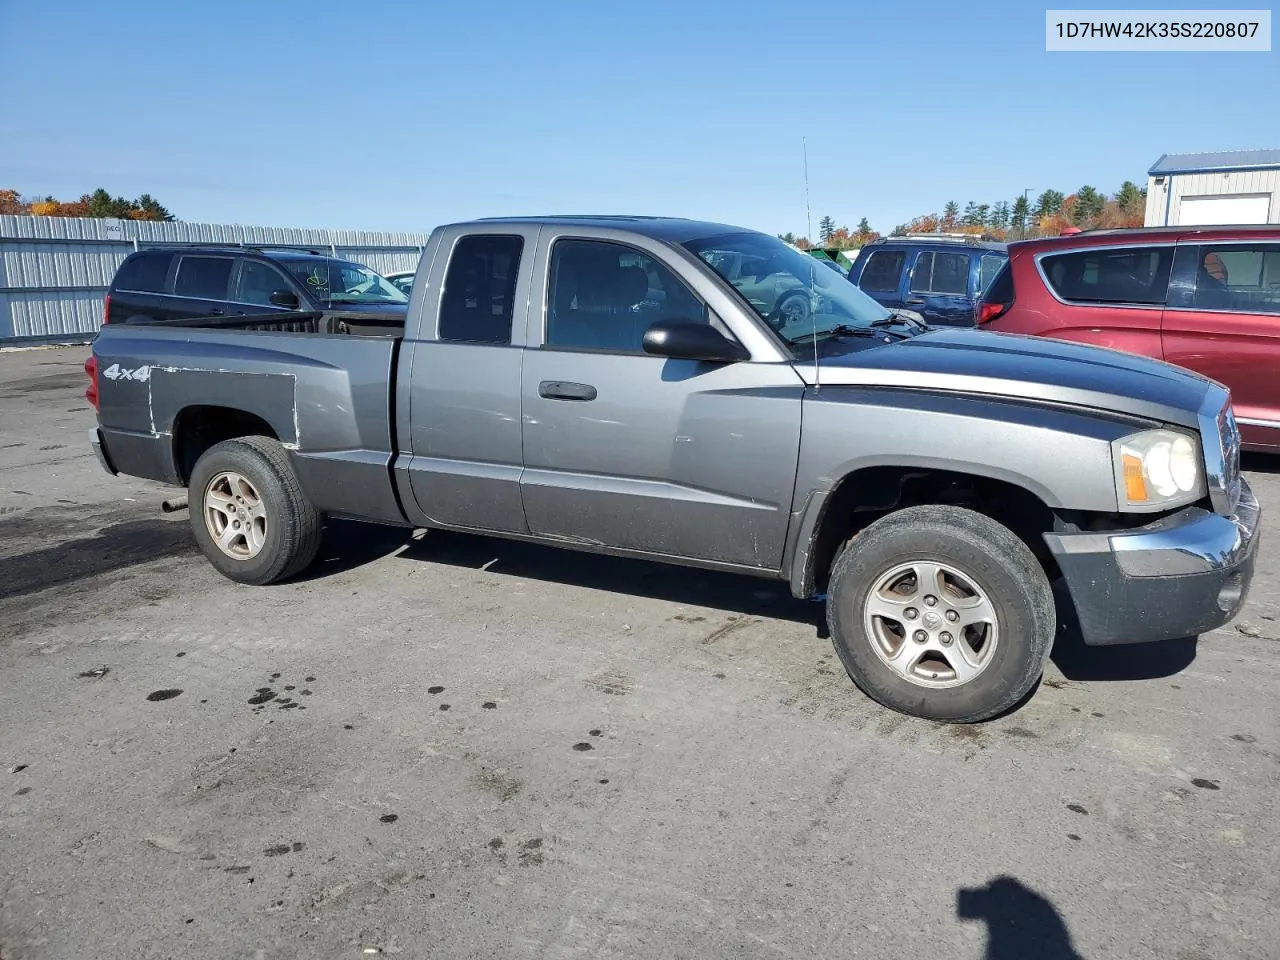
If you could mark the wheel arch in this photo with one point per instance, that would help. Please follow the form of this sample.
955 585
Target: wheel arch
831 517
198 427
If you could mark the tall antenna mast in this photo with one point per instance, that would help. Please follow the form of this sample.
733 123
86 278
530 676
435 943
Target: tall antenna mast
808 216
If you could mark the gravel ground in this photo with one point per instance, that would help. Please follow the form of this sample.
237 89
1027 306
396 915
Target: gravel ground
457 747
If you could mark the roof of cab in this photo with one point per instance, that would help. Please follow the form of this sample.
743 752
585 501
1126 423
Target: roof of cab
670 229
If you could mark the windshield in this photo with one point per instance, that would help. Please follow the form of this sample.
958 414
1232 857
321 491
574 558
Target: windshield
339 281
791 291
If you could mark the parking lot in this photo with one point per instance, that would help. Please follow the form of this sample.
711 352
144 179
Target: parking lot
438 746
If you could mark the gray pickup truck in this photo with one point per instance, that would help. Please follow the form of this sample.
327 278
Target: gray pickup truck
596 383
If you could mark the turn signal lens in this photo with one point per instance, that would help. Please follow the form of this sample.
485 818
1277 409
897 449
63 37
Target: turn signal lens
1135 484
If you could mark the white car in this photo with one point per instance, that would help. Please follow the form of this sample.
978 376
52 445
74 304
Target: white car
403 280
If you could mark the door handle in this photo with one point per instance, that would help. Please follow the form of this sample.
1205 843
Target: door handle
915 301
215 312
564 390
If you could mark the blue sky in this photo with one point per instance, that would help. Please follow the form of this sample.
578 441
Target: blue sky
400 115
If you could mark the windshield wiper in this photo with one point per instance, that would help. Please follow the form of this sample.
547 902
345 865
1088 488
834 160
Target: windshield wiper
896 318
839 330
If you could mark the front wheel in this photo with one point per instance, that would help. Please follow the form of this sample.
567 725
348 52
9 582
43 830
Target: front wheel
942 613
248 513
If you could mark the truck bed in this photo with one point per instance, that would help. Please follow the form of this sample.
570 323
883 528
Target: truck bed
165 388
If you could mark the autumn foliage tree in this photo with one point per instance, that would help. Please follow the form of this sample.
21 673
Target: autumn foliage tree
1086 209
97 204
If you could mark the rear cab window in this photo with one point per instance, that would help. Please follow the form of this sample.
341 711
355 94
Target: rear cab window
1138 275
144 273
477 304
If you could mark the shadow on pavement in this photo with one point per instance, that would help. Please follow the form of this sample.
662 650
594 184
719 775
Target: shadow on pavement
1260 463
105 549
348 545
1138 661
1021 924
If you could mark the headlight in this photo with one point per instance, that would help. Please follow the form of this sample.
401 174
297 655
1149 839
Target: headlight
1158 469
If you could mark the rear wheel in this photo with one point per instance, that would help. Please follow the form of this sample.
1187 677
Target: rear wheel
248 512
941 612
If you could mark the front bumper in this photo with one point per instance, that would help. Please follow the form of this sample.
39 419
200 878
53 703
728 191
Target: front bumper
100 451
1181 576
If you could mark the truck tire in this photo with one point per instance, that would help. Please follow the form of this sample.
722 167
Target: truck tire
249 514
940 612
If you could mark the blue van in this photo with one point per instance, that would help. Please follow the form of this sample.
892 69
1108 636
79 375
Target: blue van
939 276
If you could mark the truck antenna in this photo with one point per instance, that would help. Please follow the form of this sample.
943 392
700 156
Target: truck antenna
808 216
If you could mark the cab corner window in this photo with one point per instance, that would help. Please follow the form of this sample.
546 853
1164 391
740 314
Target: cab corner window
603 296
1241 279
478 301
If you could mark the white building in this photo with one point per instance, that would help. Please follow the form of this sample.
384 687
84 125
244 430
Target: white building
1210 189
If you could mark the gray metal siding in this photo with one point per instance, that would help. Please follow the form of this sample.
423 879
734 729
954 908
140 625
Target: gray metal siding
54 271
1167 196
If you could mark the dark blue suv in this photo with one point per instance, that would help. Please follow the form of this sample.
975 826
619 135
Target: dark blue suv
939 276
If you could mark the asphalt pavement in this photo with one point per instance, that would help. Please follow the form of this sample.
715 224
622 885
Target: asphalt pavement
440 746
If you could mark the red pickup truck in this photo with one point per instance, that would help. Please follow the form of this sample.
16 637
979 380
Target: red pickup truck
1204 298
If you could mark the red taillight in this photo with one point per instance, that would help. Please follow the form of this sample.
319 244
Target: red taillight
91 392
989 311
106 310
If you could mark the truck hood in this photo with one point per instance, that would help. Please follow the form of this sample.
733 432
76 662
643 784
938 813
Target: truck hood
1021 367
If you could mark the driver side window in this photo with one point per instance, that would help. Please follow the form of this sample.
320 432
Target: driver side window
603 296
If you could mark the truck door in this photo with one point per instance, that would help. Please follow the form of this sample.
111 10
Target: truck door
665 457
463 388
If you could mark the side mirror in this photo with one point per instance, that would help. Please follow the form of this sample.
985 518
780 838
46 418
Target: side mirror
284 298
688 340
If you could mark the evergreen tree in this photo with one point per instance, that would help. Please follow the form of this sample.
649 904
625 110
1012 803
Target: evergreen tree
1088 204
1130 199
1048 203
1018 215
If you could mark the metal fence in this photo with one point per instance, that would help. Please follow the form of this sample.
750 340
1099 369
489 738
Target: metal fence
54 271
